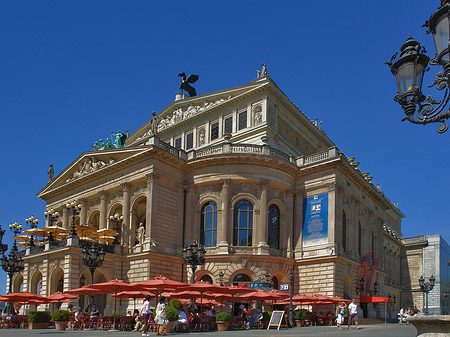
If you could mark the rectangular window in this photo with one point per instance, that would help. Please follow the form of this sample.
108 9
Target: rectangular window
228 125
242 120
178 143
189 141
215 130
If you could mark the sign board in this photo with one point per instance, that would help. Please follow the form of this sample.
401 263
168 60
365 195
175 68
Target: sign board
276 319
284 286
315 220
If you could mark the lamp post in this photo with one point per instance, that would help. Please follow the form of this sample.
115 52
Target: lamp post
375 289
75 208
360 286
221 278
426 288
51 216
16 228
93 258
117 218
291 294
3 247
12 263
32 222
194 255
409 69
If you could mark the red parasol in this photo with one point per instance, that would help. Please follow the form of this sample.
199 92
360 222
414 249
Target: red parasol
86 290
22 296
338 299
61 296
113 286
134 294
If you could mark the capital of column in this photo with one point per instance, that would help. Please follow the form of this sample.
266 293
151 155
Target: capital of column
102 195
125 187
151 177
225 183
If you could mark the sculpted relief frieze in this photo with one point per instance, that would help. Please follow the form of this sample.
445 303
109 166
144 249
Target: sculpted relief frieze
182 113
208 191
89 165
245 188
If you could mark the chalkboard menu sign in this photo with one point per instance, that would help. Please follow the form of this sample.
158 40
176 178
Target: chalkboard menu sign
276 319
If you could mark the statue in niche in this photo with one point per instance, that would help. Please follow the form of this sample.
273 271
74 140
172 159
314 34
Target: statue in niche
140 234
50 173
202 137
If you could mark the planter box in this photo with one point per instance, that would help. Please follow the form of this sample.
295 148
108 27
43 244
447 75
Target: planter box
60 325
299 323
222 326
37 325
169 328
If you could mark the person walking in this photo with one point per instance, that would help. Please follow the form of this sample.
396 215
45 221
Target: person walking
145 312
161 316
340 312
353 311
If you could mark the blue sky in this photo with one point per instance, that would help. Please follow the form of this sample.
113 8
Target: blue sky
72 71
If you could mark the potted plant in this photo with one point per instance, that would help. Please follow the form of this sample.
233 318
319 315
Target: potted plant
266 318
223 320
299 317
38 319
61 318
172 315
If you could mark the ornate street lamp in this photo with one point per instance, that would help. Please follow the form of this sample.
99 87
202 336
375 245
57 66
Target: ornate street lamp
16 228
3 247
360 286
194 255
221 278
426 288
75 208
291 294
32 222
51 216
117 218
375 289
12 263
410 67
93 258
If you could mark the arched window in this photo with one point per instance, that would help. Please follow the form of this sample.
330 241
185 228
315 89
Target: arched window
243 223
206 278
240 278
273 237
208 227
344 231
359 238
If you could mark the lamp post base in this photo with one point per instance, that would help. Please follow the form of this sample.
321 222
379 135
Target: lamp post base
431 326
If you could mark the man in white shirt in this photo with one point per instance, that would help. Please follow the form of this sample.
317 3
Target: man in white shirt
353 312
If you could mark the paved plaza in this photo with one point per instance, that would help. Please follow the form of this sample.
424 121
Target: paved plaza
374 330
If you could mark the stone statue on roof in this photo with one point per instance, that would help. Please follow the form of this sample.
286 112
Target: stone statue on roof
263 72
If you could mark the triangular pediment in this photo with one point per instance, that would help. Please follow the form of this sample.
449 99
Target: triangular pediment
184 110
89 165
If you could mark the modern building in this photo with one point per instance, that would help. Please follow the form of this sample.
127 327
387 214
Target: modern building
244 172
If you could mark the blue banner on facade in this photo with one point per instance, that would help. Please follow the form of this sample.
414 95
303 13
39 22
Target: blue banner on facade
315 220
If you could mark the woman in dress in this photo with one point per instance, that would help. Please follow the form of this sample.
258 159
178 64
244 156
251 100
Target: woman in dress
340 312
161 316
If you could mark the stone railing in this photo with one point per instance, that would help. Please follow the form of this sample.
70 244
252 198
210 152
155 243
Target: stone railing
58 244
227 148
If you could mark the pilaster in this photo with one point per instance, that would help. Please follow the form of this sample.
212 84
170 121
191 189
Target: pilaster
102 209
223 230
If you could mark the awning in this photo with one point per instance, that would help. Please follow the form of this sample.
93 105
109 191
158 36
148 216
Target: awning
373 299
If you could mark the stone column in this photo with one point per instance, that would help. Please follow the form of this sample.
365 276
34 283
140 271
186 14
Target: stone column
151 207
65 217
102 209
223 230
332 215
126 214
287 223
261 226
83 211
